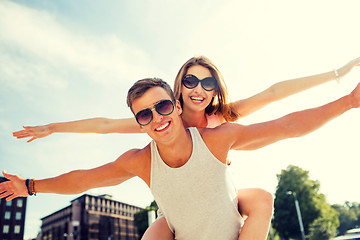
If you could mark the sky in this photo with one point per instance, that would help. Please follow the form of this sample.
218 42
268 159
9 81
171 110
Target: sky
70 60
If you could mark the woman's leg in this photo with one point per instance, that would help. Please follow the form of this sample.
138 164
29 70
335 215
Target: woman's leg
256 205
158 230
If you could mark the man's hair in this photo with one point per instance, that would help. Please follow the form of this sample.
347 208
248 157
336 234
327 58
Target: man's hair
141 86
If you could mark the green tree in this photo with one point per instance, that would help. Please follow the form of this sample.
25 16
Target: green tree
141 222
141 218
313 205
325 226
154 206
349 216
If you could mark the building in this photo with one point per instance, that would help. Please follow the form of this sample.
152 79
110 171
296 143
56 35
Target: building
91 218
12 217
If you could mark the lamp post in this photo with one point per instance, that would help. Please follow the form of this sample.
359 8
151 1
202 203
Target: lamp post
151 216
298 213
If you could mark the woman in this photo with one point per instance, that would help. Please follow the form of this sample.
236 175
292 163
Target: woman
201 89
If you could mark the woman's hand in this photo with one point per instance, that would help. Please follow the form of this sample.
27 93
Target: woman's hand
347 67
33 132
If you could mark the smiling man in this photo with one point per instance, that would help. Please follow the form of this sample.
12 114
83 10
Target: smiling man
184 168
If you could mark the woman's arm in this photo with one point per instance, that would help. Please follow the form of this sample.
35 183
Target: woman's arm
286 88
92 125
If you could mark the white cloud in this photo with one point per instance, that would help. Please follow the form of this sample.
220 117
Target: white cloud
37 48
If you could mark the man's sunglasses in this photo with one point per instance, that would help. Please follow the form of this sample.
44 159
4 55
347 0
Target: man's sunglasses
163 107
191 81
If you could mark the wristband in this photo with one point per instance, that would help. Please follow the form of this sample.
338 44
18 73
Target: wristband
30 185
337 78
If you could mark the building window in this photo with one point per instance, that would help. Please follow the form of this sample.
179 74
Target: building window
18 216
17 229
6 229
8 203
7 215
19 202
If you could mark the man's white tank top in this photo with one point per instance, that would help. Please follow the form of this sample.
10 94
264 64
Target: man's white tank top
198 199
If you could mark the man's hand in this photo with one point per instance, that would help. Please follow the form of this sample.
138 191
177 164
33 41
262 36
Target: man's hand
13 188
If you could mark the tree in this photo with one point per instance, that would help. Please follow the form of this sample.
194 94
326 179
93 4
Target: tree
141 218
322 229
154 206
141 222
349 216
325 226
313 205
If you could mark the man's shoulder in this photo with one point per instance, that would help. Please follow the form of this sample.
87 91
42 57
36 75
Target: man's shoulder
136 155
139 153
221 128
222 134
135 160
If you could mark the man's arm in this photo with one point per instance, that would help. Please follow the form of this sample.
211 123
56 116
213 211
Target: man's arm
75 181
292 125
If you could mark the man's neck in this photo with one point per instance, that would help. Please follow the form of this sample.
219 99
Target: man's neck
176 153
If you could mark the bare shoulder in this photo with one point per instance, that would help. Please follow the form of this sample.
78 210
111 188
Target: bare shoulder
220 140
220 117
226 127
222 134
134 159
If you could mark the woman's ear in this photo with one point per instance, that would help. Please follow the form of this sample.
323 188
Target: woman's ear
178 107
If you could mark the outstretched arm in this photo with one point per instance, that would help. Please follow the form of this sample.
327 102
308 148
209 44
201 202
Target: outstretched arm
287 88
72 182
292 125
92 125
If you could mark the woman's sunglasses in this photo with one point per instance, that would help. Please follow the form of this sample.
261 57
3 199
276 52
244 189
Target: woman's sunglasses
163 107
191 81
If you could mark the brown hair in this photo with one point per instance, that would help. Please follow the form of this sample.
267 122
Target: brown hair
220 103
141 86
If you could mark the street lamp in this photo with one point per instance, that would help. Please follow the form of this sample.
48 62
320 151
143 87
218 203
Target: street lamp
298 213
151 216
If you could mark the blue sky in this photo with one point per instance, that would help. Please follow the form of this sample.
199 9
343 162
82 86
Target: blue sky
69 60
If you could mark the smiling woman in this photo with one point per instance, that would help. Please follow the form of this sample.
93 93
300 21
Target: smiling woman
196 103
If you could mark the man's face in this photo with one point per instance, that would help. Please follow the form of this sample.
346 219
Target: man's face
161 128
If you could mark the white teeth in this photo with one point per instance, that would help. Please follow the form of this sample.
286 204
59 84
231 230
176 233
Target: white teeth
162 126
197 98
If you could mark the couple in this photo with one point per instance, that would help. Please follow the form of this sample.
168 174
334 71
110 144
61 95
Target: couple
186 169
206 105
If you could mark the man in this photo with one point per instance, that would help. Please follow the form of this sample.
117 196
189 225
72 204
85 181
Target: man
184 168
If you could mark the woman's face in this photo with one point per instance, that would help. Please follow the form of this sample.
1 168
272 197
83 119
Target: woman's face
197 99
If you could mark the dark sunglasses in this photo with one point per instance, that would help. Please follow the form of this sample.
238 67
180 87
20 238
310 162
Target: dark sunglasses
163 107
191 81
